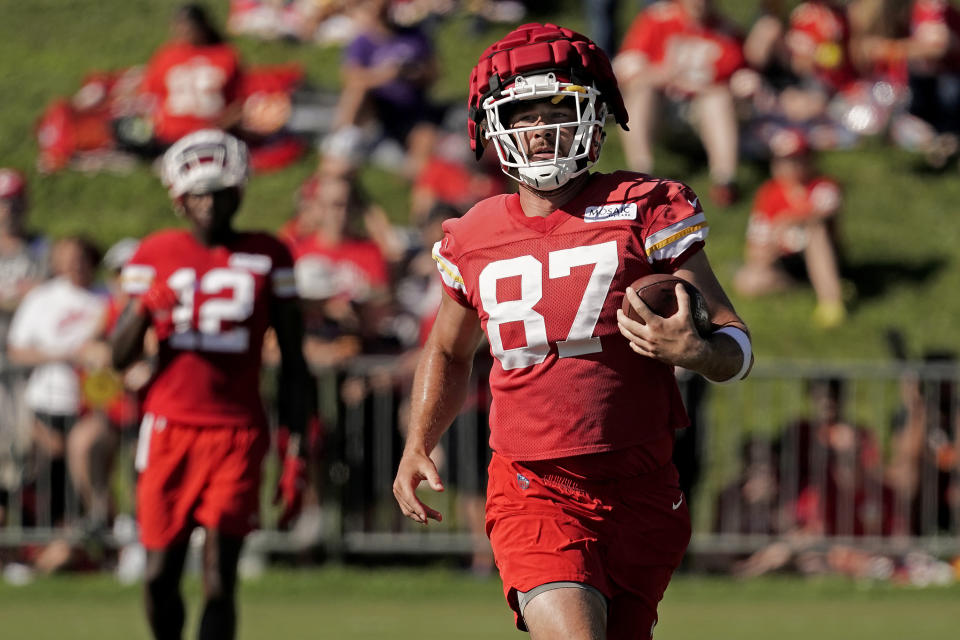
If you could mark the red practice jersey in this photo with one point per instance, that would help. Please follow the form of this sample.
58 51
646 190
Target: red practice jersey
564 380
192 86
780 214
705 54
208 369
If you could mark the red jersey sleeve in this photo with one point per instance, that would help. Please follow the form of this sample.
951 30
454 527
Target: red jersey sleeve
677 228
138 274
445 254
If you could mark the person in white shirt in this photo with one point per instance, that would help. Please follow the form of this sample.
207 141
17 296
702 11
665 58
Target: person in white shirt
52 332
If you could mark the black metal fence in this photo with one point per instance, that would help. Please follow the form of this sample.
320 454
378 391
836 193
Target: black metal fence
804 454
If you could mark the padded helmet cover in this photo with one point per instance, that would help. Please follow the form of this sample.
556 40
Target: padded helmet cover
540 48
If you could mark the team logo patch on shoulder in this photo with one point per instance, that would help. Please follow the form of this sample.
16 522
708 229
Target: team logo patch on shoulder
252 262
616 211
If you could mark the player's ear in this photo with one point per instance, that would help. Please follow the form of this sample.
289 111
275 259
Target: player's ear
178 207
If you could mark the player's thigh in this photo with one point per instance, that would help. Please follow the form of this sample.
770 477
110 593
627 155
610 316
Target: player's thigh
633 615
230 501
564 610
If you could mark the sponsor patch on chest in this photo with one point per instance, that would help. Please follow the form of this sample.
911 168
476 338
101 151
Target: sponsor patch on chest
615 211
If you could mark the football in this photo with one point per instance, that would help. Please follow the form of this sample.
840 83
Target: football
657 291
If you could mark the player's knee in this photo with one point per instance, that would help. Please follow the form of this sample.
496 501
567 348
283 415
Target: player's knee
576 610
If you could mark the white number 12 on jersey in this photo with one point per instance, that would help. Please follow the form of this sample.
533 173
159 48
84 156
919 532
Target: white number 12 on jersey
580 339
210 334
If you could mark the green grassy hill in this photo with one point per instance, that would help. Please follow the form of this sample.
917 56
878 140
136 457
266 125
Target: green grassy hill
900 233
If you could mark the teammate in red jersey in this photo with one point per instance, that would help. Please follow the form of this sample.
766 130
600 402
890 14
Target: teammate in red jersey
209 293
584 512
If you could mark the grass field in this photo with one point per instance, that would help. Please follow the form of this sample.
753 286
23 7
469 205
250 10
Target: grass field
436 603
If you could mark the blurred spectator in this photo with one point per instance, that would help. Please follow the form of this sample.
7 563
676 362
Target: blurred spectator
22 257
925 458
110 403
342 276
931 52
602 20
793 231
304 20
834 477
464 454
826 475
750 504
193 80
53 332
818 42
806 77
874 26
454 178
386 73
682 50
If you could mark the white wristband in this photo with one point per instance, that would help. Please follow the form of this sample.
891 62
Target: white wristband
743 341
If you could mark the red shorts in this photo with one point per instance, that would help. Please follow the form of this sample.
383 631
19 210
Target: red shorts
624 537
189 475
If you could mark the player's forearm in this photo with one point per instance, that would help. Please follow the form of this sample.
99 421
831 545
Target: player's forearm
723 357
439 390
296 394
126 342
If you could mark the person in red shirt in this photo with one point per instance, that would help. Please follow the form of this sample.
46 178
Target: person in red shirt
681 50
341 274
210 293
794 220
193 79
584 513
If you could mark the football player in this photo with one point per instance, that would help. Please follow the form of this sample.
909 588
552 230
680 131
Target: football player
584 512
210 293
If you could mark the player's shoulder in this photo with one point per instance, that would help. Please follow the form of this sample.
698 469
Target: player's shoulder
261 242
480 220
629 186
159 243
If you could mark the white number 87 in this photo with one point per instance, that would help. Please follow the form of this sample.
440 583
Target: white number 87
580 339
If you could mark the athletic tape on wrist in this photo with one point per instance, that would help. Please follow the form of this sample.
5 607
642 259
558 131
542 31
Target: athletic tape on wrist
743 341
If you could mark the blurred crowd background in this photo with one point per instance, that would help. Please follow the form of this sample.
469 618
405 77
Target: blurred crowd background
756 109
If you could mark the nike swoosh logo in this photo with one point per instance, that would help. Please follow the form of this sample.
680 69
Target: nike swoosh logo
693 203
678 503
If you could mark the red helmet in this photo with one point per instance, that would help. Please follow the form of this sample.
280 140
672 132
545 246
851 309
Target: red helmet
533 62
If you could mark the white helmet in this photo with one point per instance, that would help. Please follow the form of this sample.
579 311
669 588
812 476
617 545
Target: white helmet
547 174
203 162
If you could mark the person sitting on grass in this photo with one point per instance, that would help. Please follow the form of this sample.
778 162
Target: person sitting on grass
793 229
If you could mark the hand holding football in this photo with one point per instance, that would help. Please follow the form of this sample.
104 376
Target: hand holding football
657 290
